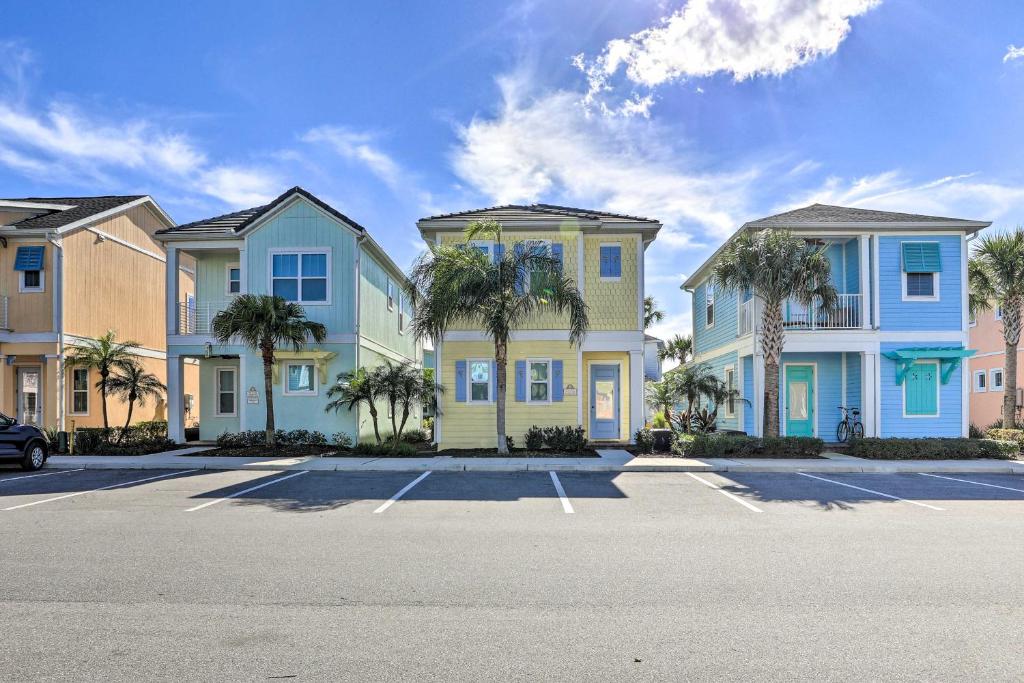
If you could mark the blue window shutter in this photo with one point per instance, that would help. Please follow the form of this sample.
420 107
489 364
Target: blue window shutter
494 380
611 261
921 257
499 252
460 381
520 380
616 253
556 380
606 267
29 258
556 253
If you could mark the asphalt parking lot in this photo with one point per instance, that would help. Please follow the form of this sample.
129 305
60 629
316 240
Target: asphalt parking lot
150 574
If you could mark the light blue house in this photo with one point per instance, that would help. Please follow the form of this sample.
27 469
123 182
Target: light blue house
300 248
892 348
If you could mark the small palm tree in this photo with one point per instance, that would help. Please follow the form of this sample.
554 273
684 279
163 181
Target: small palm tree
679 348
452 284
134 384
263 323
691 383
351 389
996 276
105 355
775 266
403 385
652 314
661 396
718 395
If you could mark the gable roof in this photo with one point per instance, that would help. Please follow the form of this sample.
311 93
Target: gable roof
821 215
528 211
236 222
80 208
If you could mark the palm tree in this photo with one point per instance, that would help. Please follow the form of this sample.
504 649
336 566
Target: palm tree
679 347
263 323
718 395
351 389
136 385
662 395
692 382
452 284
775 265
996 276
403 386
652 314
105 355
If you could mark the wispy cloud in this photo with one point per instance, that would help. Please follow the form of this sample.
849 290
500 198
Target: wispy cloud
1013 52
742 38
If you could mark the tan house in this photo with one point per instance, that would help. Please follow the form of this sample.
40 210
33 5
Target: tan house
72 268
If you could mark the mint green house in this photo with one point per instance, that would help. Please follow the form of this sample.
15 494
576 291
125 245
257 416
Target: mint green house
304 250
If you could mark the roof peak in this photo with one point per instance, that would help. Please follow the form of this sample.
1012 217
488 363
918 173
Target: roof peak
543 207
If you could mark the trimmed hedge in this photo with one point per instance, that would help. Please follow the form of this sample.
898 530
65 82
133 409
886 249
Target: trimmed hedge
644 439
734 446
563 439
258 437
404 450
932 449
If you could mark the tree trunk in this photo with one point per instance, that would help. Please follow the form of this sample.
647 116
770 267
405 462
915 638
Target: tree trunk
268 390
1011 335
376 427
131 404
501 360
394 427
401 425
103 396
667 409
773 336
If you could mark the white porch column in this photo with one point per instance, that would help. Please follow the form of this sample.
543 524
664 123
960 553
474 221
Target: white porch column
175 398
171 289
636 392
870 397
863 262
758 398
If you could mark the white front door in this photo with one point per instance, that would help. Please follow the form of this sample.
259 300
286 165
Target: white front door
30 396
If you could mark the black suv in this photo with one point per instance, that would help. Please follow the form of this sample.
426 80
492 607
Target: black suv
21 443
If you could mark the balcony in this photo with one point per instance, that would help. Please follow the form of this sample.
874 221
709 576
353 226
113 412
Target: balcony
197 318
847 315
745 318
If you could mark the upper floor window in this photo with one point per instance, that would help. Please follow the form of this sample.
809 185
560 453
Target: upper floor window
709 304
997 380
921 267
300 276
403 311
234 279
391 295
980 381
485 247
611 261
29 264
999 312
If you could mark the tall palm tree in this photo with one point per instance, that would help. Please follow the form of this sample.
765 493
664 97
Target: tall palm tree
351 389
679 347
452 284
105 355
263 323
996 276
775 265
134 384
652 314
403 386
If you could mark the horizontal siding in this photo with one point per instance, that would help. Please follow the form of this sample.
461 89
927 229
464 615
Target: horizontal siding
851 269
748 393
718 365
707 339
944 314
949 421
829 393
369 359
376 321
211 426
854 399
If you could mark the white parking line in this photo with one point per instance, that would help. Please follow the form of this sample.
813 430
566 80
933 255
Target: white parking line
245 491
877 493
405 489
44 474
968 481
725 493
566 505
102 488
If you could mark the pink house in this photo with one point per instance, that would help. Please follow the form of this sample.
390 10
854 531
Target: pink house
986 336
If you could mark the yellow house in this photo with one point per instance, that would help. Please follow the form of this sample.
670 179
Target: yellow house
597 385
72 268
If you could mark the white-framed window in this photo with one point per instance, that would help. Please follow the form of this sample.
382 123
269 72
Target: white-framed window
232 278
401 312
485 247
980 381
996 379
730 385
999 312
709 304
227 392
538 372
921 263
301 276
920 286
80 391
972 319
478 379
391 295
300 379
610 254
31 281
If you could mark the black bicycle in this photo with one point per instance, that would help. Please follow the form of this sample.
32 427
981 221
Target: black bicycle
849 425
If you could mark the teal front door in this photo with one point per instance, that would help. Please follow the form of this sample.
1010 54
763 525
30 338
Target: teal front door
799 400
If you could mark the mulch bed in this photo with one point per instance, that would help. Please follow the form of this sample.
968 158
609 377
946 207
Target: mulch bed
264 452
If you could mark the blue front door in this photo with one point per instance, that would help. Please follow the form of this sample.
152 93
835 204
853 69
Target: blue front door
604 402
799 400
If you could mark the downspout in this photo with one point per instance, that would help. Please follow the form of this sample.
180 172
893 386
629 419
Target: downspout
58 321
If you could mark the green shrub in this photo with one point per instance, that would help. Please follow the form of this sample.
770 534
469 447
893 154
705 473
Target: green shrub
258 437
681 443
534 438
565 439
342 440
414 436
404 450
932 449
644 440
975 432
738 446
659 421
1014 435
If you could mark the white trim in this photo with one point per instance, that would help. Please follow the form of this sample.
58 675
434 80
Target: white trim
529 381
24 289
938 391
142 352
469 381
710 287
285 391
785 396
864 276
581 269
390 292
579 387
243 406
286 204
217 391
590 381
625 338
13 204
965 315
104 236
992 379
228 267
71 394
843 376
610 278
379 348
935 288
876 297
977 387
300 251
725 373
640 286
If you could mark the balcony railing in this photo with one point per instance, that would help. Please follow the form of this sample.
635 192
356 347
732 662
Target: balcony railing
745 318
4 308
845 316
197 318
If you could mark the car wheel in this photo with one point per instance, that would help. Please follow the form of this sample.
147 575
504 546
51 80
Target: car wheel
35 456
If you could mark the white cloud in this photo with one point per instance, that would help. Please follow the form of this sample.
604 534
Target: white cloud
1013 52
359 147
742 38
239 186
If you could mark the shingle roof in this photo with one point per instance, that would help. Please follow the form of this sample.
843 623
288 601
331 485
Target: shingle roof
239 220
818 214
81 207
543 209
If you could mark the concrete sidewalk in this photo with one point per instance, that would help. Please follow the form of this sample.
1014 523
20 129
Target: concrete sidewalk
610 461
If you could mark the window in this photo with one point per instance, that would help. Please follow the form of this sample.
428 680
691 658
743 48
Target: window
485 247
391 295
402 307
921 390
972 320
730 385
999 312
31 281
28 261
479 380
611 261
980 380
80 391
997 380
921 267
709 304
301 379
300 276
540 381
234 279
227 392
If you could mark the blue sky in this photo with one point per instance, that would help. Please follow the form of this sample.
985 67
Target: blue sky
703 114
